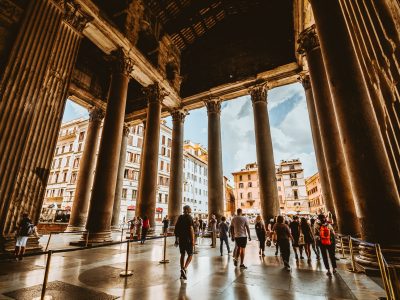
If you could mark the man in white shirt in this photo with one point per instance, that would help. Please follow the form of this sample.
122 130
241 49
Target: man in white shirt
239 227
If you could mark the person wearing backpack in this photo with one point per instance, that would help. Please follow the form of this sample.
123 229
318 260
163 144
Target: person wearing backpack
24 230
223 235
325 237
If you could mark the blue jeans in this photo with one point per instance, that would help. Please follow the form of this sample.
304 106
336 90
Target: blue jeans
222 240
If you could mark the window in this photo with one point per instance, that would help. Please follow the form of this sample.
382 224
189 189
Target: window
163 151
279 188
160 198
80 147
63 149
295 194
139 143
64 176
70 147
169 153
67 161
250 184
130 140
293 175
56 177
293 182
59 163
134 194
292 167
76 162
162 165
135 175
163 140
169 143
249 195
126 173
124 192
240 177
240 185
81 136
73 177
249 176
241 195
166 198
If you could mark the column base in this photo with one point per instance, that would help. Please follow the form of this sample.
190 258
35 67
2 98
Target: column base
75 228
94 238
7 245
368 261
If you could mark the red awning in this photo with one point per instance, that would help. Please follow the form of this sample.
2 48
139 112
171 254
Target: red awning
131 207
159 209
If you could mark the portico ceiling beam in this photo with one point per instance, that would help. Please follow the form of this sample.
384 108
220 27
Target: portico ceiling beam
108 38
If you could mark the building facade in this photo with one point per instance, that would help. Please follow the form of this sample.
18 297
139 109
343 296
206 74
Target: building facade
314 192
291 186
62 180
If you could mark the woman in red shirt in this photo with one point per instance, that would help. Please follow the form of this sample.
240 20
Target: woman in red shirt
145 228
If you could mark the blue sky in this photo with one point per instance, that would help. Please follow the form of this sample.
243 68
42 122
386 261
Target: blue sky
290 128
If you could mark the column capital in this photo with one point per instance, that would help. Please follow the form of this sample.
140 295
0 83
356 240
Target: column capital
96 114
73 14
308 40
121 62
126 130
179 114
154 93
213 105
259 93
305 81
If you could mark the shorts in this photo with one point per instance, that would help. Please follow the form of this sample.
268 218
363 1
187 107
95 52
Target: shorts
21 241
241 242
186 246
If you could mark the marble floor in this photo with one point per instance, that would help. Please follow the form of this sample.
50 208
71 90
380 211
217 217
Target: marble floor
94 274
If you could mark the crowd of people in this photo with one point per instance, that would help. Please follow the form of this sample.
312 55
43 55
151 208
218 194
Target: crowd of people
300 234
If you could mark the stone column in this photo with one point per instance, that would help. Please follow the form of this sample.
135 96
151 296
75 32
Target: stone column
105 180
84 183
33 92
265 154
374 188
120 179
176 177
146 202
215 171
332 146
319 152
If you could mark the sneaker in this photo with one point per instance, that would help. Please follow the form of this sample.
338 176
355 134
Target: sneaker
334 271
183 274
243 266
329 273
235 262
263 254
222 254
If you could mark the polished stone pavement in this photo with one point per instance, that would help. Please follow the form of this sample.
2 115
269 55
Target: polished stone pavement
94 274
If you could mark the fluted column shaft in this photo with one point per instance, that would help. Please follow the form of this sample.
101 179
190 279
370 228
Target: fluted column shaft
146 204
176 177
339 179
374 188
87 165
33 92
120 179
265 155
215 171
319 151
105 180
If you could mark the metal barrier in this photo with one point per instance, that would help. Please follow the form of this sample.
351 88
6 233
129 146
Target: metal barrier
391 283
66 232
165 260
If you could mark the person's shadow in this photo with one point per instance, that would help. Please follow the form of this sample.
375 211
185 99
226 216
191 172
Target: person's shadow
182 291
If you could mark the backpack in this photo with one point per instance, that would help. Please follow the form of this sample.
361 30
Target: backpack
325 235
26 228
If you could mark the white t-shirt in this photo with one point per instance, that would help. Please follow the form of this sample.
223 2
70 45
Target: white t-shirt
239 225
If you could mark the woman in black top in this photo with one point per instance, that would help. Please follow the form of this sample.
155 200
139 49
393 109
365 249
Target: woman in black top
308 237
261 234
283 236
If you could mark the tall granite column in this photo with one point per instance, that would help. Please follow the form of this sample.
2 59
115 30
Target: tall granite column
105 180
120 179
33 93
146 203
374 188
215 171
319 151
87 165
176 177
265 154
332 146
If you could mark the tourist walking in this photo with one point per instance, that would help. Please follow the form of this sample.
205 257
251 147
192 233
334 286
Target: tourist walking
308 237
196 229
212 226
295 230
184 237
325 236
314 244
145 229
23 231
138 225
223 235
283 235
261 233
239 227
165 222
132 225
201 226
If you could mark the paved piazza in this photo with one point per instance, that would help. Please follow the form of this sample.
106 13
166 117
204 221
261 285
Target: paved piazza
94 274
